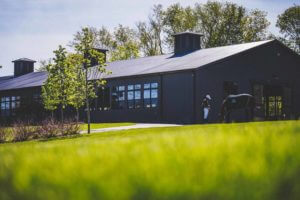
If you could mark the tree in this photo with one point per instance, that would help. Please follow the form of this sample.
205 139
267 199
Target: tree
178 19
289 24
77 99
43 65
125 44
92 75
228 23
150 33
59 84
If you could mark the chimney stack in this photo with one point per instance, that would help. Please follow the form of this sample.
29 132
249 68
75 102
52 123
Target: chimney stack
23 66
186 42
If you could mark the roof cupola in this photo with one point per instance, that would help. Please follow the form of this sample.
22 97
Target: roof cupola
23 66
186 42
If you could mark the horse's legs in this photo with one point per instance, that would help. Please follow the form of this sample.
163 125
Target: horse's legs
252 113
247 114
227 117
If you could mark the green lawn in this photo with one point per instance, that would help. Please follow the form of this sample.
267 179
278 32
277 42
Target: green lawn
106 125
233 161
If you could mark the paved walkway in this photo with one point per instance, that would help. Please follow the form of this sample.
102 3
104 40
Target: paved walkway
100 130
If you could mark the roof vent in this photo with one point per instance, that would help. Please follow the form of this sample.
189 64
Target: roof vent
23 66
186 42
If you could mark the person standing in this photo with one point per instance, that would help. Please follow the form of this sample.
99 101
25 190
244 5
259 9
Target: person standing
206 107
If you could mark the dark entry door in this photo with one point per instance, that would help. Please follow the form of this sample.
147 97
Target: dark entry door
273 107
273 102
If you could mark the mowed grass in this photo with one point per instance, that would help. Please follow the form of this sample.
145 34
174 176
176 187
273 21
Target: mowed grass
106 125
226 161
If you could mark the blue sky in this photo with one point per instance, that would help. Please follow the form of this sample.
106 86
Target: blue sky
34 28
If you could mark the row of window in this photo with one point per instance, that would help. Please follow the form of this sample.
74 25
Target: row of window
136 96
9 104
131 97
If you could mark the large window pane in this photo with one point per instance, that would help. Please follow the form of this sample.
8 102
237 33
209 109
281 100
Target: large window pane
154 85
137 95
121 88
150 95
137 87
146 85
154 93
121 96
130 95
146 94
130 87
118 97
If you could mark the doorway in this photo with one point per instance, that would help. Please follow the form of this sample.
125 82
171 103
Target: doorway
273 96
273 102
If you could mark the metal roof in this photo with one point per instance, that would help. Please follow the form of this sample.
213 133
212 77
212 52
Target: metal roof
28 80
3 78
171 62
187 32
24 59
143 66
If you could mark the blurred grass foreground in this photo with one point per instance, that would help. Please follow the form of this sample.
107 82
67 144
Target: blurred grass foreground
226 161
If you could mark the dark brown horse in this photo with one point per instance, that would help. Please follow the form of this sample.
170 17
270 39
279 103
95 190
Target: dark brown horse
235 102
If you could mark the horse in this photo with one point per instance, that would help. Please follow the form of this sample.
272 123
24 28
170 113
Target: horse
239 101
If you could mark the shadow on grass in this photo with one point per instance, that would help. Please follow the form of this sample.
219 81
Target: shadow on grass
68 137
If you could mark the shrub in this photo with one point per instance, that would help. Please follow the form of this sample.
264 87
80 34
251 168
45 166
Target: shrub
22 131
70 128
49 128
3 135
52 128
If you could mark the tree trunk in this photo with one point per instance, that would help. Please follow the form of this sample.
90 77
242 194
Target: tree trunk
62 114
87 102
77 115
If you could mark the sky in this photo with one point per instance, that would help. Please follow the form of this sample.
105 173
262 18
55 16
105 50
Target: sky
34 28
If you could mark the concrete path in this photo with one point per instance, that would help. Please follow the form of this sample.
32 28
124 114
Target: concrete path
100 130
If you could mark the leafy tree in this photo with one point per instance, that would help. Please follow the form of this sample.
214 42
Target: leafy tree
125 44
289 24
92 75
178 19
49 92
77 99
150 33
228 23
79 35
59 85
105 38
43 65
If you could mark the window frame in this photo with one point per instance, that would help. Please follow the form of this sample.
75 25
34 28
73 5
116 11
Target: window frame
150 102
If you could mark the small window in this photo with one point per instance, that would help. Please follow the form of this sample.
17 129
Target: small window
118 97
5 106
134 96
150 95
103 98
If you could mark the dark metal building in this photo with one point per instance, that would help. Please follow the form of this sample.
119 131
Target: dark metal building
170 88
